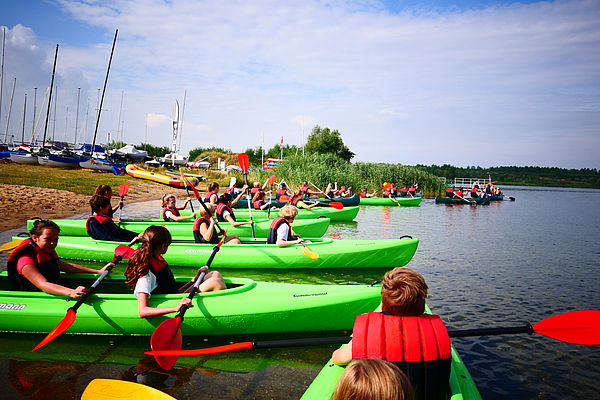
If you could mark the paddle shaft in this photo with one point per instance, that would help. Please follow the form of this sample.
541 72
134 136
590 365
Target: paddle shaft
198 281
249 204
187 189
199 198
315 186
92 288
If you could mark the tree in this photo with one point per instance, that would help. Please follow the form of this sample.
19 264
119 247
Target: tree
324 140
194 153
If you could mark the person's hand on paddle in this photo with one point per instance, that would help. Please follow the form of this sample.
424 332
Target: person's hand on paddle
78 291
108 267
121 204
184 302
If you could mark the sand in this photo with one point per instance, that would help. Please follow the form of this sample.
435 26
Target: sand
20 203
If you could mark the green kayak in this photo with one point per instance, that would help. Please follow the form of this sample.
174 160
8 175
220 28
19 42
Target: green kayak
245 307
462 385
257 254
394 201
315 227
345 214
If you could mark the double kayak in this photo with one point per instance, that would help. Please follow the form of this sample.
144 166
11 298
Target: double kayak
165 179
344 214
461 383
351 201
406 201
245 307
182 230
456 200
332 253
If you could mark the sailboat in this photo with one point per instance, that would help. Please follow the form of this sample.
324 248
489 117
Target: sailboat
173 158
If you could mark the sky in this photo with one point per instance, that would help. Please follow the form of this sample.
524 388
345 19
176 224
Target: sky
466 83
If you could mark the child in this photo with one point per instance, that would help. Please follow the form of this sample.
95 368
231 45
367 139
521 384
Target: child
297 200
148 273
204 228
368 378
106 191
101 227
259 203
212 194
280 231
170 211
34 265
282 190
225 213
425 357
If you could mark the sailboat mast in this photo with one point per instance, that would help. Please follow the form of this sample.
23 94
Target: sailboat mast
10 109
2 72
50 97
24 117
181 121
77 117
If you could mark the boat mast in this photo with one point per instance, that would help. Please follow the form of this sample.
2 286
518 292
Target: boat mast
34 108
50 98
119 131
24 116
175 128
2 72
10 109
77 117
181 122
103 91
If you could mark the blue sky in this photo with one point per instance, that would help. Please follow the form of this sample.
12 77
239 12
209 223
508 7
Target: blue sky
484 83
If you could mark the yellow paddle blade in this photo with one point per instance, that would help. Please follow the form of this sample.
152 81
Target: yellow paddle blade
309 253
113 389
10 246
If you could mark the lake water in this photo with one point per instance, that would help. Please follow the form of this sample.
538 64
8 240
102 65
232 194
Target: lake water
486 266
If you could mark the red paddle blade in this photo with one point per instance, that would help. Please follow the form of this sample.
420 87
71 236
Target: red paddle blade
244 162
196 193
271 180
198 352
62 326
284 198
123 189
336 205
167 336
578 327
124 251
387 185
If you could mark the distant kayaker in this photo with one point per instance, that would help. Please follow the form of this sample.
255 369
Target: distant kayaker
34 265
343 192
256 188
100 227
298 201
412 191
365 193
106 191
204 228
404 191
498 191
475 193
450 191
370 378
459 193
170 211
225 212
259 202
280 231
148 273
282 190
212 194
403 295
331 190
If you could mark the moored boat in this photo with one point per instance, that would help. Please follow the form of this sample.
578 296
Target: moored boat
466 200
386 253
24 158
100 164
245 307
324 202
406 201
343 214
182 230
166 179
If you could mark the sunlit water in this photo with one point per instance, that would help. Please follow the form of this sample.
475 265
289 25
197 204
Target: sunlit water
486 266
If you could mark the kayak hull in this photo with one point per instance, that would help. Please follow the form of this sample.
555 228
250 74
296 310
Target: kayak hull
246 307
344 214
351 201
332 253
466 200
394 201
316 227
165 179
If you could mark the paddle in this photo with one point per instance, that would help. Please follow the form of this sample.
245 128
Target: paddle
10 246
315 186
122 251
186 183
167 335
336 204
123 189
199 198
244 164
308 252
113 389
577 327
271 182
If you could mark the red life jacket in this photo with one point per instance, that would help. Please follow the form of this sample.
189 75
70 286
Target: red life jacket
386 193
272 235
412 190
99 218
419 345
363 194
164 276
164 213
198 235
294 200
208 195
254 190
221 207
47 264
257 204
303 188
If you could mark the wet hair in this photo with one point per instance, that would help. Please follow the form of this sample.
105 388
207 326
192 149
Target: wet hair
104 190
166 197
403 292
139 264
97 202
371 379
288 211
213 186
210 208
40 224
224 198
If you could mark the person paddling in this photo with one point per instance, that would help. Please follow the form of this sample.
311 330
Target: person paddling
297 200
148 274
212 194
101 227
170 211
34 265
280 231
106 191
259 202
225 212
204 228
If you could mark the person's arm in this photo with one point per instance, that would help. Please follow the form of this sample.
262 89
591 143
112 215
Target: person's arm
184 204
145 311
282 232
230 219
78 269
343 355
33 275
239 196
208 231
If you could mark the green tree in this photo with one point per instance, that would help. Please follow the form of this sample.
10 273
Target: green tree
324 140
194 153
154 151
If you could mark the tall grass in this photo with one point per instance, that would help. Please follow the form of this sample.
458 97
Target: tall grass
322 169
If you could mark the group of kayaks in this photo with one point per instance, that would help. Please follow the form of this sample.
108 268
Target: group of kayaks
246 306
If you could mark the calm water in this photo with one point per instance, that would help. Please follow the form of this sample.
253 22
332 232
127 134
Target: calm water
486 266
